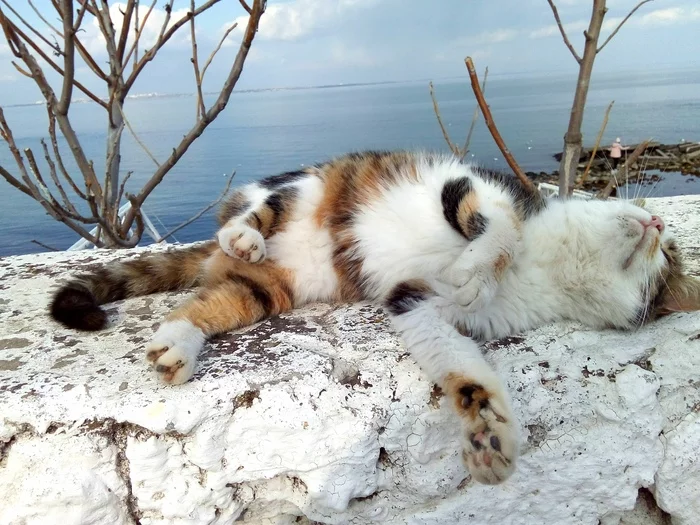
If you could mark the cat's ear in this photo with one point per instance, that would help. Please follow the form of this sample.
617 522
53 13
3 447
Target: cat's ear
681 295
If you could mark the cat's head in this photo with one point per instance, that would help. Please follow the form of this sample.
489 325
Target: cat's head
620 265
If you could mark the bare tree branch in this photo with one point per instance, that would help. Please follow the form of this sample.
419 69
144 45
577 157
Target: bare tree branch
52 45
597 142
211 114
631 159
563 32
13 34
201 110
139 31
68 58
475 118
137 139
453 147
54 176
38 13
126 26
165 36
57 155
217 48
492 125
46 246
201 212
640 4
246 6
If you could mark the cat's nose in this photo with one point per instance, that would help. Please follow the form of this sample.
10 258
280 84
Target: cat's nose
657 222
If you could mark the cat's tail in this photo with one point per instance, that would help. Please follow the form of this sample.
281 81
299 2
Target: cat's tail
77 303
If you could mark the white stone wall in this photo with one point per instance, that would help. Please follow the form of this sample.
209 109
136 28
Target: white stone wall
322 416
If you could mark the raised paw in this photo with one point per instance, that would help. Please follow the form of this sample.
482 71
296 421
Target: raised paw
242 242
489 437
173 351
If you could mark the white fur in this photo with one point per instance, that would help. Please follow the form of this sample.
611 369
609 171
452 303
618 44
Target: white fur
184 342
306 249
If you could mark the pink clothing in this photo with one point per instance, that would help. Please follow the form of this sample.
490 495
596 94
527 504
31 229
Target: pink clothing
616 150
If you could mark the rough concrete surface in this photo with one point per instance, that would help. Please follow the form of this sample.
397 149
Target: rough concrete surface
321 416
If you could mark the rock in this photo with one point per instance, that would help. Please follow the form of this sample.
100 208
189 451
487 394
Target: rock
321 416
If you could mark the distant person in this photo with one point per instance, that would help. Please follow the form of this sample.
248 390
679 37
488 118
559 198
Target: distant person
616 153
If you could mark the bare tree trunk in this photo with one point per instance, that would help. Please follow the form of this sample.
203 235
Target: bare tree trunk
573 139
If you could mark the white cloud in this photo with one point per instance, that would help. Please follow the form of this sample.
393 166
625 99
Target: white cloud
299 18
671 15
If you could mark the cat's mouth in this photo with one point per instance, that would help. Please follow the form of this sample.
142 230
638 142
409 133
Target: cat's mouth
650 242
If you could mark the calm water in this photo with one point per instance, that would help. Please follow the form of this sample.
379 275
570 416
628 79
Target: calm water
263 133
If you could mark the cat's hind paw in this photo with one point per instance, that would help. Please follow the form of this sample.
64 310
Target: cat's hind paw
242 242
476 288
173 351
490 438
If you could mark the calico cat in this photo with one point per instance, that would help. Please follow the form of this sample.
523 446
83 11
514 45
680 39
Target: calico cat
455 254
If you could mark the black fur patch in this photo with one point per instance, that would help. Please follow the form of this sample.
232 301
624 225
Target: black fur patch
452 194
76 307
406 296
259 293
278 202
528 202
276 181
476 225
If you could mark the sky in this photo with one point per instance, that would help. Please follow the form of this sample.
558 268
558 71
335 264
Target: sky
318 42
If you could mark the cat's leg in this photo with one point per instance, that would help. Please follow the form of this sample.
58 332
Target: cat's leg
455 363
237 295
486 217
250 216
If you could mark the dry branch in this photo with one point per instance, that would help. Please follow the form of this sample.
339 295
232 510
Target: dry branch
453 147
640 4
486 112
103 198
200 212
597 142
563 31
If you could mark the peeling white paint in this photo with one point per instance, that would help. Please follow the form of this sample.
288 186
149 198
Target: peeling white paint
322 414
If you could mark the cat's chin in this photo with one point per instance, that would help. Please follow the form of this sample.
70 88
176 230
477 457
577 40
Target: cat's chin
649 244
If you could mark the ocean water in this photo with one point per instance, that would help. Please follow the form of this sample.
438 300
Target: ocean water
266 132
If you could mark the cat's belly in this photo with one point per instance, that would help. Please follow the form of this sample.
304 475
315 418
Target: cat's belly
307 251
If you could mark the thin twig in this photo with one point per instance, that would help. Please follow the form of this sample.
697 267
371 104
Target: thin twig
136 137
46 246
126 25
139 30
213 112
246 6
597 142
492 125
165 36
201 110
201 212
57 154
563 32
10 28
640 4
631 159
475 118
453 147
216 50
54 176
38 13
53 46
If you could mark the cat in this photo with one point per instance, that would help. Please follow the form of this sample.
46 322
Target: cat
455 254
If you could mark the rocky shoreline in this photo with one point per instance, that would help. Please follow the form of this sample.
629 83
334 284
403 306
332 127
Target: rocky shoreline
683 158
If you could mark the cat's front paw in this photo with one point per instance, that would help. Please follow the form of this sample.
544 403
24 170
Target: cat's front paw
490 438
173 351
475 287
242 242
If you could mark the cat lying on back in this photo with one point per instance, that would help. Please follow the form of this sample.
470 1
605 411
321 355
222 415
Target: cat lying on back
448 249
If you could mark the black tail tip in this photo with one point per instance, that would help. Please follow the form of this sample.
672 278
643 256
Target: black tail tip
76 307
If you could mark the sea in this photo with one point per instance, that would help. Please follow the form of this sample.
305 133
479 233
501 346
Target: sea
265 132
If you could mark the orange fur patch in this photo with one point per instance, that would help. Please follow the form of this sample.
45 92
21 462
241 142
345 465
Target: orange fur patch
237 294
469 397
